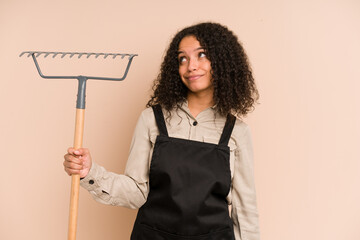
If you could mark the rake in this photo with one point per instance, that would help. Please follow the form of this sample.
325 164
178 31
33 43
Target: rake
80 114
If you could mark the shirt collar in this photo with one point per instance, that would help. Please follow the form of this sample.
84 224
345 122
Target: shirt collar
185 107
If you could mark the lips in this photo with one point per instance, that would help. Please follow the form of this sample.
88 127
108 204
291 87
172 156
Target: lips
193 77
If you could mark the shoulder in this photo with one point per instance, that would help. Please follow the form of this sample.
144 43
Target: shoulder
147 112
147 117
241 132
148 123
240 126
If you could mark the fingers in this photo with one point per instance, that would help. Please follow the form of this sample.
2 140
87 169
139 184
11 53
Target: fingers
73 159
77 161
72 165
78 152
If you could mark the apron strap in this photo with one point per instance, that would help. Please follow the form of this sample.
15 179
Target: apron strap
229 125
160 121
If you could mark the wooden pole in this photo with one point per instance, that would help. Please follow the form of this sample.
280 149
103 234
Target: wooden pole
75 178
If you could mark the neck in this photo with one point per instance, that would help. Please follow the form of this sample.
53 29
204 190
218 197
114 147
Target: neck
199 102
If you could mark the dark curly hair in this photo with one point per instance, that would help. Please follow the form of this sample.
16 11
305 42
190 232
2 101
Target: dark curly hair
234 86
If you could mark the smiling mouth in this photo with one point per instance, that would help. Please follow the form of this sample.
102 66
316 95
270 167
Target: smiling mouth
192 78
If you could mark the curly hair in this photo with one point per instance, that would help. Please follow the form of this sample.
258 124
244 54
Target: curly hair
234 86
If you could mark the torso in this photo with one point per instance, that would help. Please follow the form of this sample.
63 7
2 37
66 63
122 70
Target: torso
189 182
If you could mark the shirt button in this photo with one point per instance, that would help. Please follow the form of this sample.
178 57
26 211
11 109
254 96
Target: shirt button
91 182
195 123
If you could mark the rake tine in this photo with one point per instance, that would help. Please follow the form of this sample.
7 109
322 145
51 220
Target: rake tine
35 54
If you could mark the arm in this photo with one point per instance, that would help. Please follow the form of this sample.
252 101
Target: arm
244 209
128 190
114 189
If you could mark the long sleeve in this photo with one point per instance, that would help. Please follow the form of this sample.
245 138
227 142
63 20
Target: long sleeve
129 189
244 208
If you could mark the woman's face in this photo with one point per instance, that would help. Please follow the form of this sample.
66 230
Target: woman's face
194 66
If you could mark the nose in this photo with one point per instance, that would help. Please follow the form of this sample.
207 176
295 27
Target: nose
193 64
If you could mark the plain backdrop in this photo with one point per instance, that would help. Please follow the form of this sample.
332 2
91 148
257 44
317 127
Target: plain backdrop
306 134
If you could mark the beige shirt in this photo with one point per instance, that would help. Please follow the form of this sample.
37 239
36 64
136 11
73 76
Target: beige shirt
131 189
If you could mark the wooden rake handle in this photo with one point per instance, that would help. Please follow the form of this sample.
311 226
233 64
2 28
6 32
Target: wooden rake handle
75 178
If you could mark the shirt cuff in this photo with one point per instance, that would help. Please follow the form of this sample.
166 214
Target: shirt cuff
90 182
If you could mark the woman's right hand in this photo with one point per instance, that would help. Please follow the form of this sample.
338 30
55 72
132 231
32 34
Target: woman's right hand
77 161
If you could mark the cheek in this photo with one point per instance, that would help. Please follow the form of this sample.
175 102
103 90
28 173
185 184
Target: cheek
208 69
182 71
206 66
181 74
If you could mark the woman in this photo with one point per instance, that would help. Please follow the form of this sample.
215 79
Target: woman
190 156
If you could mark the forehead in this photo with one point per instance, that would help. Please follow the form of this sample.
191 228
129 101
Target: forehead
189 43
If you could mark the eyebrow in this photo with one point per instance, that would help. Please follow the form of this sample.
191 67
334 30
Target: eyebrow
199 48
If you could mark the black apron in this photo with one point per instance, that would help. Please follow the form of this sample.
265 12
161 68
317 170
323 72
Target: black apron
189 182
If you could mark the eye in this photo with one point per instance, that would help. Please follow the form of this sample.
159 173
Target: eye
182 59
202 55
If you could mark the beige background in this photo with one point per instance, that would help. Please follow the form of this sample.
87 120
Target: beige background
306 133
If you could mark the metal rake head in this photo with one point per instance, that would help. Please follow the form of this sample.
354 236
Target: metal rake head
82 79
79 54
35 54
